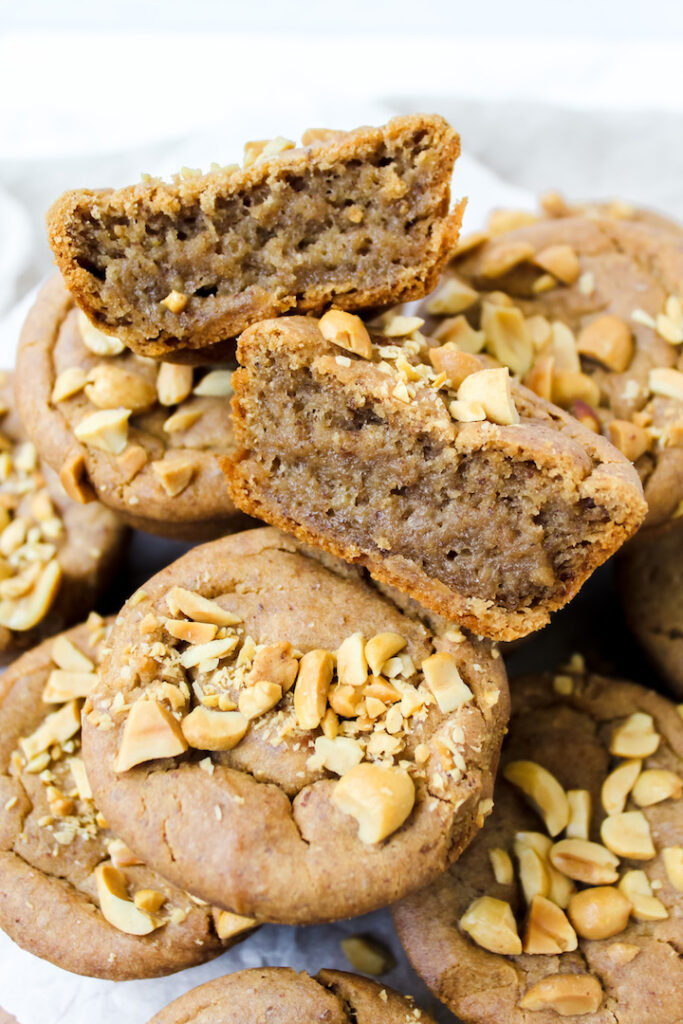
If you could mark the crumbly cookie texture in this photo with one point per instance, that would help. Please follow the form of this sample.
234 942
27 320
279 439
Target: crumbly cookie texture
587 311
143 437
55 557
650 581
353 218
282 996
426 465
70 890
568 905
323 747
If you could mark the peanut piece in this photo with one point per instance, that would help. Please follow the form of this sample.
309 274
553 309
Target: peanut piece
78 773
628 835
561 261
63 686
635 737
367 956
629 438
110 387
28 611
491 924
229 925
181 420
347 331
667 382
457 331
174 383
275 664
201 609
191 632
345 701
150 732
121 856
618 785
220 648
96 341
566 994
68 657
443 679
502 221
455 364
214 730
352 665
507 336
149 900
451 296
673 862
533 873
608 341
398 326
338 755
543 791
68 383
57 728
382 647
174 472
547 929
215 384
379 798
585 861
655 785
117 909
599 913
175 301
635 887
312 684
540 377
501 257
579 813
491 389
563 348
106 430
622 953
73 478
561 887
501 865
568 387
257 699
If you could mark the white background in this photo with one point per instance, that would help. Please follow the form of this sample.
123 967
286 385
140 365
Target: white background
584 95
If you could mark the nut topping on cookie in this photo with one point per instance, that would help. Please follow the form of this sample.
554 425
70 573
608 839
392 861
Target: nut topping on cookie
118 909
628 835
492 925
635 887
566 994
585 861
543 790
618 785
636 737
347 331
379 798
599 913
205 729
547 930
150 731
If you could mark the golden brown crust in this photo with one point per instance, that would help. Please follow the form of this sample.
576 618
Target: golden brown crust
282 996
48 899
278 848
51 341
568 734
194 327
547 437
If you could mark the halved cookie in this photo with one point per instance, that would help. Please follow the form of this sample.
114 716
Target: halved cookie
70 890
56 556
283 996
477 498
356 219
145 438
567 906
285 739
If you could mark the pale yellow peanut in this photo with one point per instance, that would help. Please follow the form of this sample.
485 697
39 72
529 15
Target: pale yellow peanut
215 384
175 301
618 785
673 863
57 728
507 336
174 472
399 326
111 387
585 861
667 382
346 701
150 732
367 956
491 390
502 221
543 790
276 664
631 439
533 873
635 737
491 924
69 383
501 257
561 261
455 364
501 864
259 698
381 647
444 680
228 925
563 348
608 341
457 330
635 887
191 632
566 994
96 341
106 430
63 686
347 331
599 913
338 754
28 611
121 856
311 688
451 296
149 900
352 665
570 386
205 729
578 825
655 785
628 835
117 908
201 609
547 929
174 383
378 797
197 653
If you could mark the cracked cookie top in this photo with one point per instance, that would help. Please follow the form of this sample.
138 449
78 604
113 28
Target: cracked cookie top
586 310
73 892
326 746
143 437
568 904
285 997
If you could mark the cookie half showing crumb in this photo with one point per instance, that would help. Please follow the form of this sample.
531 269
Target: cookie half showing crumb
650 581
56 556
427 466
71 891
284 740
356 219
283 996
587 310
568 905
144 438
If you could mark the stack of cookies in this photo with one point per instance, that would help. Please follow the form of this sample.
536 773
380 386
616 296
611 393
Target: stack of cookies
301 719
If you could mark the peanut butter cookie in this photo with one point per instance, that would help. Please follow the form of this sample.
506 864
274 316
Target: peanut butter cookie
282 996
568 905
286 741
70 890
353 218
145 438
650 579
587 312
55 556
422 463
